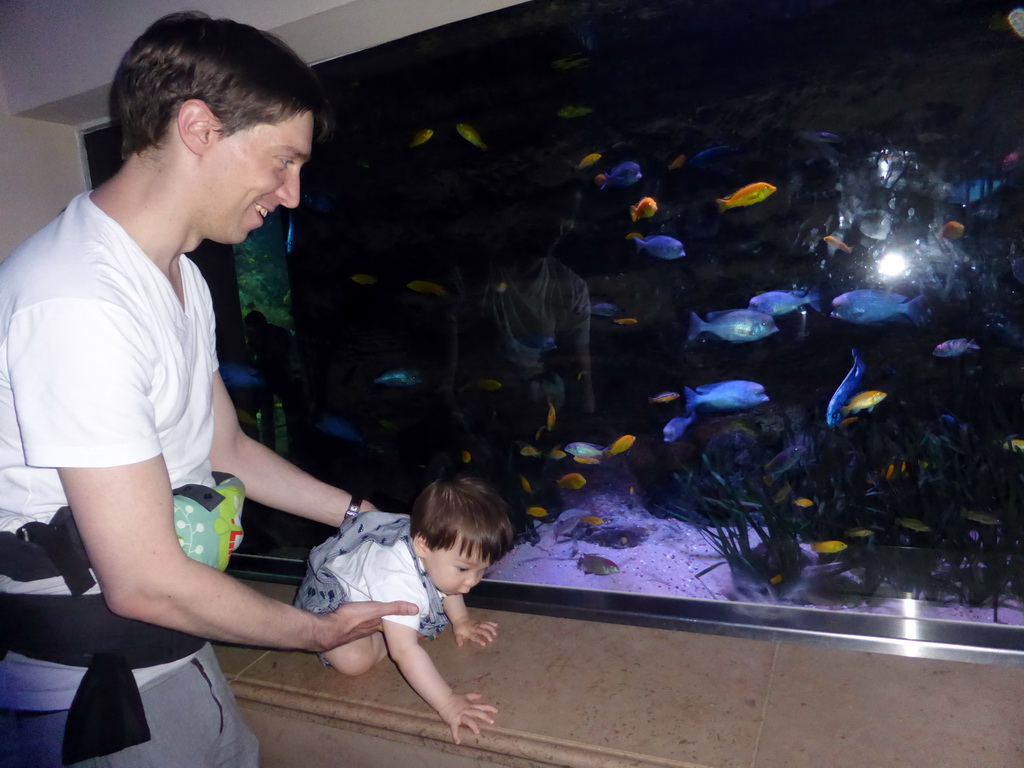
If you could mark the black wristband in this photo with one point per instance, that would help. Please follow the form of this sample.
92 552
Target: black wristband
354 505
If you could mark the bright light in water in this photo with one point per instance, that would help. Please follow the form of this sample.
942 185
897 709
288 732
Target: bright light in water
892 264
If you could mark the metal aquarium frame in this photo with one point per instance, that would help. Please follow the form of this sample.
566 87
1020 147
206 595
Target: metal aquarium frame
907 635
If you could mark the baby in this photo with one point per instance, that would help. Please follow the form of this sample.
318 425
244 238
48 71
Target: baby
457 529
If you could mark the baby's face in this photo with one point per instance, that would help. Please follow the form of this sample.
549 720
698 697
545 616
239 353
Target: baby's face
453 572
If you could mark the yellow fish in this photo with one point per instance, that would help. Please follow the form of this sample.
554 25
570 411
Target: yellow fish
912 523
486 385
623 443
557 454
858 533
835 244
526 484
981 517
566 63
551 417
588 161
469 133
634 236
803 502
677 162
776 579
863 401
663 397
425 286
748 195
244 417
573 481
1014 444
592 520
848 421
528 450
828 547
363 279
892 469
466 457
644 209
537 511
570 111
421 137
625 321
586 459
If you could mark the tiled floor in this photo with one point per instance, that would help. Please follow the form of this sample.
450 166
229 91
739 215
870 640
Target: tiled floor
582 693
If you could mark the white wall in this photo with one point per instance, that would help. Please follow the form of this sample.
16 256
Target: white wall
57 58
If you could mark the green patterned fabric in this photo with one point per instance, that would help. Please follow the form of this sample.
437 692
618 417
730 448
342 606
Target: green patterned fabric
209 520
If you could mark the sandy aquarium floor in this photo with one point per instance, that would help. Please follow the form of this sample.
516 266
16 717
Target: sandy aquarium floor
668 560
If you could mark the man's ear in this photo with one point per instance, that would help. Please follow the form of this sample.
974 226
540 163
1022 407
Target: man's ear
197 126
419 546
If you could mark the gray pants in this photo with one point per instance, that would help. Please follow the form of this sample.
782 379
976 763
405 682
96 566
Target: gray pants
192 715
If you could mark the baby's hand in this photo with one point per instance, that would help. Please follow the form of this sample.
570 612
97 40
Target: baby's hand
480 632
461 709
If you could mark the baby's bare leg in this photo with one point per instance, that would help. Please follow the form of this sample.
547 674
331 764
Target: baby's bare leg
359 656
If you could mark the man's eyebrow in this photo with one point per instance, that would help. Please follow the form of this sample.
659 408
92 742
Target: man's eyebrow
295 152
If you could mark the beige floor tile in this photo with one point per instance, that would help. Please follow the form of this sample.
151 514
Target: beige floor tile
846 709
700 701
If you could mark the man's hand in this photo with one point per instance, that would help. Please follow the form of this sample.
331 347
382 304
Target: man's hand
354 620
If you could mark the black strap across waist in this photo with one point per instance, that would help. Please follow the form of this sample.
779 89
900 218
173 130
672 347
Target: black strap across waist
69 629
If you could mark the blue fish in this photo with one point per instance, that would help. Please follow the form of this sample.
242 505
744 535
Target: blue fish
712 155
338 426
849 387
660 247
622 175
866 307
676 428
725 396
606 309
735 325
776 303
399 377
967 192
237 376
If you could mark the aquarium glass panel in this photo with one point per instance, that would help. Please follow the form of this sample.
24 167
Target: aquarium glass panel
726 298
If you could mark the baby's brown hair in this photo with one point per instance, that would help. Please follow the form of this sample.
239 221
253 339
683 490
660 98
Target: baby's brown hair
464 511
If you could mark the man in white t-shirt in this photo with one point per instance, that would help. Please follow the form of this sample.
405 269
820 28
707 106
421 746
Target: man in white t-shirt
114 423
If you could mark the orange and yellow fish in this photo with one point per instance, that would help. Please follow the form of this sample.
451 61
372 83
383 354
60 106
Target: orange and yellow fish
551 417
536 511
556 454
835 244
588 161
644 209
748 195
620 445
572 481
625 320
528 450
421 137
592 520
859 532
863 401
469 133
363 279
526 484
427 287
663 397
952 230
586 459
913 524
804 502
466 457
678 162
